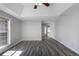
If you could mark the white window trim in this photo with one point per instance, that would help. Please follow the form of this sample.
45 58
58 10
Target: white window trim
9 32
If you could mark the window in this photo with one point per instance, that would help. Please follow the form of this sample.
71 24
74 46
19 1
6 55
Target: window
4 32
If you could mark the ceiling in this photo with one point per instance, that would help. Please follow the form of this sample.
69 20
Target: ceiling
25 11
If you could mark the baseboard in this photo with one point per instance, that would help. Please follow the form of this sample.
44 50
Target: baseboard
31 39
69 47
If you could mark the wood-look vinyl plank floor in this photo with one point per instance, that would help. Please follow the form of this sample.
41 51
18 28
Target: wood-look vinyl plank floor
49 47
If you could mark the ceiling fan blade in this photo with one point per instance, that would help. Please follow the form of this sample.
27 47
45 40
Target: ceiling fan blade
35 7
46 4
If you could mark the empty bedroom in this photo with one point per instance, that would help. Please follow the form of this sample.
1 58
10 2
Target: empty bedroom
39 29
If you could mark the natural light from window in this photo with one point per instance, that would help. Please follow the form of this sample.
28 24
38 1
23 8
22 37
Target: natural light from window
4 32
12 53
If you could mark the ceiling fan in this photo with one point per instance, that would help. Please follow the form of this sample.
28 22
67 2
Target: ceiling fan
39 4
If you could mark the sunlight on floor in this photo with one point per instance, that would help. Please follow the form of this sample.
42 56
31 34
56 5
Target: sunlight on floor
12 53
8 53
17 53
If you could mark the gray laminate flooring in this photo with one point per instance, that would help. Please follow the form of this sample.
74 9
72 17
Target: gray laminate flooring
48 47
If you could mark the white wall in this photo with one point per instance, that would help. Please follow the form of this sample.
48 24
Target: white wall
15 30
67 28
31 30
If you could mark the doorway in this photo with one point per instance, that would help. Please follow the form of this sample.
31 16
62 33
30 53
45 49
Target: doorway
45 30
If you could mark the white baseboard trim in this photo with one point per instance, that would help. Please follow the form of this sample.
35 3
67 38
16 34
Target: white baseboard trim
69 47
31 39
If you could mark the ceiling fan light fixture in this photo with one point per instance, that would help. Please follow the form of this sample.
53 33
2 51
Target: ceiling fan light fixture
36 3
40 4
